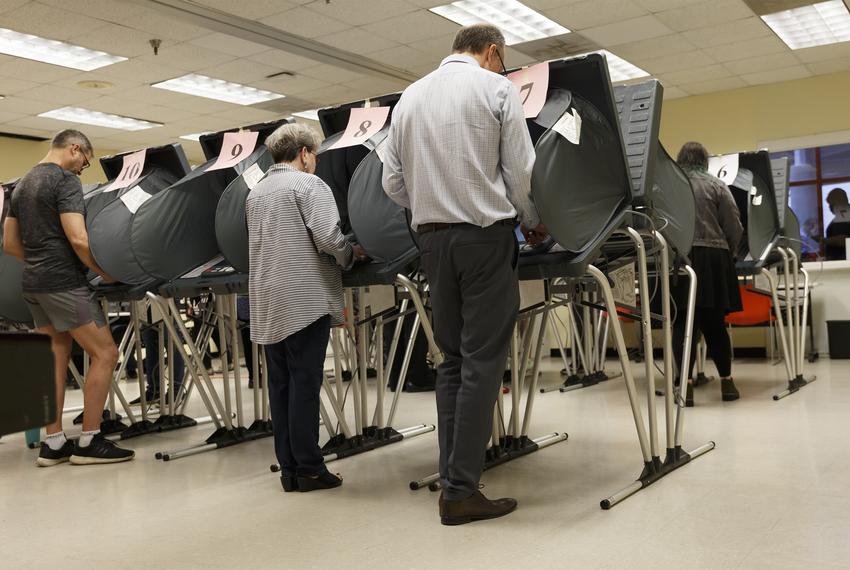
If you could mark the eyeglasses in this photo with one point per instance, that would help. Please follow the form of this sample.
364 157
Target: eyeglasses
85 159
502 62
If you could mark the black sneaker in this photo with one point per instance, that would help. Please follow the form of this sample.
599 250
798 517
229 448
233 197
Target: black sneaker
100 450
48 457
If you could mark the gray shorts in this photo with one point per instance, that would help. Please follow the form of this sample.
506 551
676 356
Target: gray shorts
65 310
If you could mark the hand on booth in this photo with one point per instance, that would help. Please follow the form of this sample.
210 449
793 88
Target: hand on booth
359 252
536 234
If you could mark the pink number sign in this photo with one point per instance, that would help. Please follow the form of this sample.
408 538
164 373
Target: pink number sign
362 125
235 148
532 83
134 164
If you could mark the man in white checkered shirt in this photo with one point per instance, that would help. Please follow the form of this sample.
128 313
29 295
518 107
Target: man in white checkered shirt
460 157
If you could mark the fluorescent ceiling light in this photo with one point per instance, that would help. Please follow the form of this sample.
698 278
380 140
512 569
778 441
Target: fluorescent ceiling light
211 88
312 115
193 136
814 25
55 52
518 22
618 68
87 117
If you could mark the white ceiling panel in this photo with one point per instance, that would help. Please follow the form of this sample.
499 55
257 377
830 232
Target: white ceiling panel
674 93
592 13
138 71
725 84
15 104
10 85
60 96
306 23
661 5
695 75
325 72
357 40
359 13
412 27
821 53
655 47
776 75
675 62
229 45
165 27
283 60
9 5
34 70
764 63
106 10
48 21
117 40
251 9
819 67
728 32
241 70
626 31
751 48
186 56
6 116
406 57
293 85
704 14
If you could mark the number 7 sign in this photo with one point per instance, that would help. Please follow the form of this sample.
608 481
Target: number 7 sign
532 83
134 165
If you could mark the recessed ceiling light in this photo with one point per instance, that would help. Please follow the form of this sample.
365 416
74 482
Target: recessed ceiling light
88 117
219 89
96 84
518 22
53 51
814 25
618 68
312 115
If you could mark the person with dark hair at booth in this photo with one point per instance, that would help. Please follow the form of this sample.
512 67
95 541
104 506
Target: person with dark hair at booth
46 230
717 233
838 229
296 252
459 156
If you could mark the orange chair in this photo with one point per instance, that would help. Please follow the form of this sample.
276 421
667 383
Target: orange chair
757 309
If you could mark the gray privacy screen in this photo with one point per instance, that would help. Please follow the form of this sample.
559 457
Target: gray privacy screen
577 188
379 224
791 232
673 203
336 167
175 231
12 306
762 217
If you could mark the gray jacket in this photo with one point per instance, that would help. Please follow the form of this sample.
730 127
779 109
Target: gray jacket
718 222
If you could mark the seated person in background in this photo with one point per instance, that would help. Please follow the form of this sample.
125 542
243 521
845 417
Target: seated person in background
296 252
839 228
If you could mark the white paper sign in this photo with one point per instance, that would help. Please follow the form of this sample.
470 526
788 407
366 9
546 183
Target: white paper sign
757 200
569 126
532 84
624 285
135 198
134 164
724 167
253 175
363 123
235 148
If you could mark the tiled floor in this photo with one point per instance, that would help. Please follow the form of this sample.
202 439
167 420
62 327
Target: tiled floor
775 493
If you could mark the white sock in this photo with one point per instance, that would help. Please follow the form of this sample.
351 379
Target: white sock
55 441
86 437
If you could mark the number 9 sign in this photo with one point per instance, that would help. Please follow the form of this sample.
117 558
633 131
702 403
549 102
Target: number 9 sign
235 148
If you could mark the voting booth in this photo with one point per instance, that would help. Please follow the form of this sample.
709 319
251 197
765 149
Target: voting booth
134 178
12 306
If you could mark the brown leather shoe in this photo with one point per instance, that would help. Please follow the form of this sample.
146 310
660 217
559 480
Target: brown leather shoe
476 507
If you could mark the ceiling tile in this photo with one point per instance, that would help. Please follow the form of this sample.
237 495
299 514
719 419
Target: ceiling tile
9 5
104 10
821 53
186 56
439 46
539 5
357 40
306 23
675 62
15 104
117 40
200 105
695 75
359 13
325 72
724 84
283 60
293 85
335 95
515 58
405 57
776 75
593 13
164 26
6 116
763 63
139 71
747 49
229 44
10 85
626 31
817 67
655 47
704 14
240 71
412 27
253 9
48 21
35 70
60 96
728 32
674 93
660 5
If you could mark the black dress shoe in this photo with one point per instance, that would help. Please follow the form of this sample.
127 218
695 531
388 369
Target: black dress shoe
728 391
326 480
289 482
476 507
689 396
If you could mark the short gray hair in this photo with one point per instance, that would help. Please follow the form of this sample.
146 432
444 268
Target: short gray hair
477 38
288 140
68 137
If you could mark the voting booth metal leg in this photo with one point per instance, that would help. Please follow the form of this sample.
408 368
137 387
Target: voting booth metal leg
145 426
651 471
169 420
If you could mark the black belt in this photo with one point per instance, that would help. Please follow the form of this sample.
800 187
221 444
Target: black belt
433 227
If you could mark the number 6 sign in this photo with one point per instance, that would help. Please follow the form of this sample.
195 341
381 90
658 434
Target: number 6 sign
235 148
532 83
724 167
363 124
134 165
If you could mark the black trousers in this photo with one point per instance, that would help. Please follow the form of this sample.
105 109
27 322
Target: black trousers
296 371
475 299
712 324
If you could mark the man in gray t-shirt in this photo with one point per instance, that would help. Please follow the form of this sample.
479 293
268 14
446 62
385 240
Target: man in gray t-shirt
46 230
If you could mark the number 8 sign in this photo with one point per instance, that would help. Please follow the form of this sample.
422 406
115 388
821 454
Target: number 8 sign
363 124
